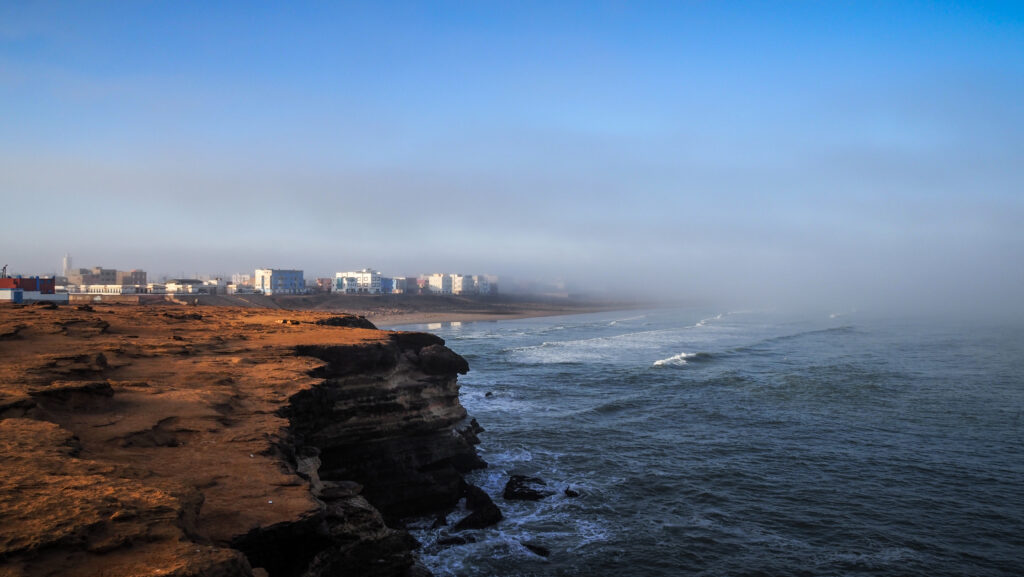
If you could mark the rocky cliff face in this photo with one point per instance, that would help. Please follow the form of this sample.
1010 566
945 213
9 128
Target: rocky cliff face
208 441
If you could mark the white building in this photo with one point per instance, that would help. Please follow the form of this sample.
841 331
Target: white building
272 281
463 285
189 286
360 281
440 283
485 284
111 289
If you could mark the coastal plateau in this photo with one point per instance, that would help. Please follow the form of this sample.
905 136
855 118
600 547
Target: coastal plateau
177 440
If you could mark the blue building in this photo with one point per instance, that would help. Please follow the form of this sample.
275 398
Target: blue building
272 281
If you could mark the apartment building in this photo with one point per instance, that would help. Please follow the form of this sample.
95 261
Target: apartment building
272 281
463 284
439 283
366 281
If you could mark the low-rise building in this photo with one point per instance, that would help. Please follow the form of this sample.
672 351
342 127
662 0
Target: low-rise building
240 289
271 281
463 285
366 281
13 295
485 284
189 286
110 289
95 276
31 289
106 276
346 285
440 283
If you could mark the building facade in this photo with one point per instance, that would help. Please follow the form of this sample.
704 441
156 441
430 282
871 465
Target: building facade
132 277
272 281
439 283
31 289
485 284
365 281
463 285
105 276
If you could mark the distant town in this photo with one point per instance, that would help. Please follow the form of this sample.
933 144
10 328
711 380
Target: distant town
100 282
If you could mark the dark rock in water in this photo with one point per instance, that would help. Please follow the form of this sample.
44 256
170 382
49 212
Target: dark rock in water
484 512
353 321
523 488
470 431
480 519
489 394
570 493
476 498
456 540
536 548
440 521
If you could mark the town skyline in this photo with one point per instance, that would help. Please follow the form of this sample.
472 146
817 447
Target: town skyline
863 155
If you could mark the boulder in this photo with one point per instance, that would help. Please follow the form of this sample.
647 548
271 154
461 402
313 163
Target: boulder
484 512
523 488
536 548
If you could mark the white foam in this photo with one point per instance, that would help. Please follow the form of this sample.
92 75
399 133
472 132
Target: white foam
704 322
675 360
591 350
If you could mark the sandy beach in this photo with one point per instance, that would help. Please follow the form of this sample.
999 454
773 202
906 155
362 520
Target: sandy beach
395 310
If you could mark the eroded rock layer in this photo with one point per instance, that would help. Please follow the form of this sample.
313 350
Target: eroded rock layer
217 441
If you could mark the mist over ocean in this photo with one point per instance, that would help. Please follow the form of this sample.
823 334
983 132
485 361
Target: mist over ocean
739 443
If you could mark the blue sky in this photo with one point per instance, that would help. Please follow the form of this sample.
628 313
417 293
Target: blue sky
840 153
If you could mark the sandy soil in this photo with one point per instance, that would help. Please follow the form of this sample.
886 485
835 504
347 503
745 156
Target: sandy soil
127 430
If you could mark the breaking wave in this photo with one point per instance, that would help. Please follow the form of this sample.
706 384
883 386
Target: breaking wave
682 359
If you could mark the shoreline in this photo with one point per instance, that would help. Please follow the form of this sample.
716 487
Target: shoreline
387 311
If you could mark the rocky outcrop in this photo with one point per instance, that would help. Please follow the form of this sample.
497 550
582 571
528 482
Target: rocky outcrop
222 443
388 416
483 511
524 488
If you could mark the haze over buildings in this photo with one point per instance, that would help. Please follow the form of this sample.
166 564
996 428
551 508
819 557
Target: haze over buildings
829 154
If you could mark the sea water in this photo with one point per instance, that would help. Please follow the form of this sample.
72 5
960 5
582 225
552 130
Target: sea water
741 443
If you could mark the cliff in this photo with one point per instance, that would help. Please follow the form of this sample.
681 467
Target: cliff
216 441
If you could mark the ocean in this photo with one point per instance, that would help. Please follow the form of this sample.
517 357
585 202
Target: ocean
744 443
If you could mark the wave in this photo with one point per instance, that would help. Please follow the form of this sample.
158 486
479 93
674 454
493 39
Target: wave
846 329
636 318
589 350
704 322
682 359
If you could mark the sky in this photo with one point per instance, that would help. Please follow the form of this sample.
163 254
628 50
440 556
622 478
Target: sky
841 154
